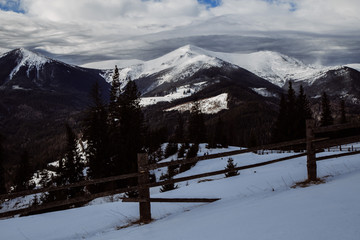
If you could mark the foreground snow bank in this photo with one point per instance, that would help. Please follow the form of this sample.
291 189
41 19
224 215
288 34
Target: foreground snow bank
257 204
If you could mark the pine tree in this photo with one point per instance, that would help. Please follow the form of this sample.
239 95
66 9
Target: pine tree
303 112
114 97
171 149
196 129
131 129
231 167
343 112
168 176
291 112
280 129
96 134
24 174
2 170
179 131
73 168
326 117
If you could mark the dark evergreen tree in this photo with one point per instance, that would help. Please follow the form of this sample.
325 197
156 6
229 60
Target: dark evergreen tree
114 110
181 152
171 149
291 112
2 170
280 128
168 176
24 174
343 112
218 138
326 115
73 168
132 131
97 137
191 153
96 134
303 112
196 129
179 131
231 167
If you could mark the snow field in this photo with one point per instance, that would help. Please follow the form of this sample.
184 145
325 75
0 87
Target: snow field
257 204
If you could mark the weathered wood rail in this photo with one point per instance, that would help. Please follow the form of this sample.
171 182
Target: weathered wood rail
313 146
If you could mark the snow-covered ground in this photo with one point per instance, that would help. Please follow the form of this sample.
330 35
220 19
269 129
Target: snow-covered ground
257 204
207 106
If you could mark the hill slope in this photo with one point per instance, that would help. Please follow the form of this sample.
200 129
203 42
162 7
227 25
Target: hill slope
253 205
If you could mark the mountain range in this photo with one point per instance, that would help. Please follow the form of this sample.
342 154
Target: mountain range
38 94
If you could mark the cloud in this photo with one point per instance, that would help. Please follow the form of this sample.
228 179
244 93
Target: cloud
82 31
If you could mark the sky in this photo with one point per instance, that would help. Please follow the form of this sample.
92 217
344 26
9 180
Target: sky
325 32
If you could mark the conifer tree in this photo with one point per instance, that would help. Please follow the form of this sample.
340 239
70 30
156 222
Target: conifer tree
73 168
114 97
131 129
343 112
2 170
291 111
231 167
326 117
24 174
303 112
280 129
168 176
171 149
179 130
196 129
96 135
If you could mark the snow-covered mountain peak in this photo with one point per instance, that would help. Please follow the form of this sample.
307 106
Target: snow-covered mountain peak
174 66
29 59
274 67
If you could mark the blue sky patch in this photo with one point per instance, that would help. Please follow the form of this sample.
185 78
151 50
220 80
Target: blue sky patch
210 3
11 5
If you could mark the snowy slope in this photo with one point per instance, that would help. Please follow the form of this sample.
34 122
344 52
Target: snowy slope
185 61
355 66
174 66
257 204
274 67
207 106
30 60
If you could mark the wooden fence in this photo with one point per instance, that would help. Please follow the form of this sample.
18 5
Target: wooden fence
313 145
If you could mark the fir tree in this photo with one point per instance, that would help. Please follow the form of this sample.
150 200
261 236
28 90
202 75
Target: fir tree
231 167
181 152
343 112
171 149
73 168
131 129
303 112
179 131
326 117
96 134
196 129
24 174
191 153
280 129
168 176
114 97
291 111
2 170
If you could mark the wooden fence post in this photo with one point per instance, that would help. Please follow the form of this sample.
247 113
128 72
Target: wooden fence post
144 192
310 150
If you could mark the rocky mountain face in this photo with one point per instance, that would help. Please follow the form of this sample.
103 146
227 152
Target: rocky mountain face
38 96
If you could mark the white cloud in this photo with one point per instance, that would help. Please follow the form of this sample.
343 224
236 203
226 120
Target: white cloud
81 31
